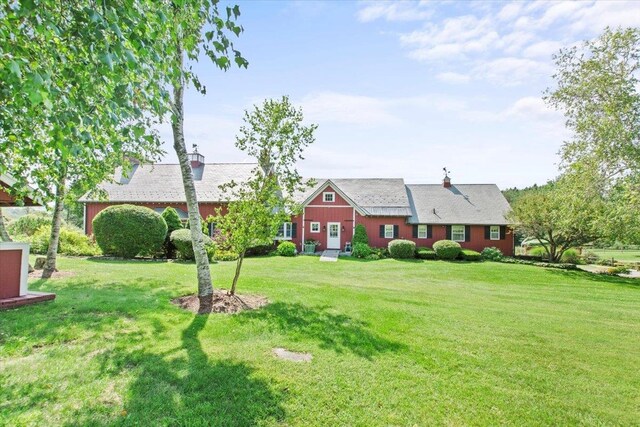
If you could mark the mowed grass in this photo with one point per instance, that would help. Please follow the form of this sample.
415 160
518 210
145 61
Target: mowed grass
618 255
393 343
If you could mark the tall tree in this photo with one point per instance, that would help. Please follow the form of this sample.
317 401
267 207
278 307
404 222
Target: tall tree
275 135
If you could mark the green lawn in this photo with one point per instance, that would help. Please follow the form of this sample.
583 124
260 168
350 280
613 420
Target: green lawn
618 255
394 343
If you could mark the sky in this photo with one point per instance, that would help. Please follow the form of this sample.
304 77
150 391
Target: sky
403 89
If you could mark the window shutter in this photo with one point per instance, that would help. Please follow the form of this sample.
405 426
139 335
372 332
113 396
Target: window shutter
448 237
467 233
487 232
429 232
396 231
294 230
503 232
415 231
382 231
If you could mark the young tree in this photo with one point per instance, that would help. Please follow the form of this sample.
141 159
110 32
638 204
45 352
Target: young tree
275 135
4 236
563 215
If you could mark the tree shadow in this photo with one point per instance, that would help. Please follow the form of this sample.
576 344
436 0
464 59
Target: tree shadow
338 332
183 387
595 277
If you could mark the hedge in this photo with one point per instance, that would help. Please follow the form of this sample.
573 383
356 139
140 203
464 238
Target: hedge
425 253
72 242
470 255
447 249
492 254
360 235
361 250
27 225
172 219
128 230
402 249
181 239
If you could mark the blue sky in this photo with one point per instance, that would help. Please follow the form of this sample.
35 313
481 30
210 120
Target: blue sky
402 89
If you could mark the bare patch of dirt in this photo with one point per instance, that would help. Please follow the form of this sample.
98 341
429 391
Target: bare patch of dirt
223 302
56 274
292 356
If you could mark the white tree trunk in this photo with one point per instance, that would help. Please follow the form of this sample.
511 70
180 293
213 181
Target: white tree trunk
205 286
52 252
4 236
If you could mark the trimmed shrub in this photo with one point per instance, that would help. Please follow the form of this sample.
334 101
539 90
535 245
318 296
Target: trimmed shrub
225 256
402 249
172 219
360 235
425 253
181 239
492 254
72 242
570 256
286 249
260 250
128 230
27 225
361 250
372 257
447 249
470 255
381 252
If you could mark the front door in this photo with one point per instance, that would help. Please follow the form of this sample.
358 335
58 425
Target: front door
333 235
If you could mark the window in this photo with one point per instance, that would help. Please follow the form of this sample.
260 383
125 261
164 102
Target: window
457 233
329 197
494 232
315 227
284 232
388 231
422 231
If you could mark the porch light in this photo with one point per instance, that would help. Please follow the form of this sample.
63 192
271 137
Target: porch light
324 228
343 228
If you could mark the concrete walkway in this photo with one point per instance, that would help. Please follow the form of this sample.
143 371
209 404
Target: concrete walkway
330 255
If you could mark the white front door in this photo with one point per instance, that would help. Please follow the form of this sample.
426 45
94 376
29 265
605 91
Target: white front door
333 235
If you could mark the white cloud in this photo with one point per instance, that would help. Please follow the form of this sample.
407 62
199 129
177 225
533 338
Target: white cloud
347 108
397 11
511 71
452 77
543 49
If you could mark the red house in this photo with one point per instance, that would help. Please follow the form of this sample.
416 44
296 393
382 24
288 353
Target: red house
472 214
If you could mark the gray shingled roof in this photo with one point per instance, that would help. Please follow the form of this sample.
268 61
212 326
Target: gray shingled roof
375 196
459 204
163 183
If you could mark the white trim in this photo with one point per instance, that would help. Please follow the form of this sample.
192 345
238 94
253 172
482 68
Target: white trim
491 227
311 230
392 231
84 218
284 231
329 206
303 227
464 233
24 268
426 231
339 225
327 193
337 190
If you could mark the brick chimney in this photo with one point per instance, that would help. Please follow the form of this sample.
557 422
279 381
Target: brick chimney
446 182
196 158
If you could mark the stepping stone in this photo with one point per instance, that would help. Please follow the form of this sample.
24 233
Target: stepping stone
292 356
330 255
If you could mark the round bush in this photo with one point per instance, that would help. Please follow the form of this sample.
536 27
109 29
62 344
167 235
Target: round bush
128 230
286 249
492 254
425 253
360 235
570 256
470 255
402 249
172 219
181 239
447 249
361 250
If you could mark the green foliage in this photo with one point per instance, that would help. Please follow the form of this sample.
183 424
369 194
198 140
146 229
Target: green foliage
538 251
425 253
402 249
360 235
361 250
27 225
221 255
447 249
590 257
128 230
492 254
373 257
286 249
470 255
181 239
171 217
571 256
72 242
614 271
260 250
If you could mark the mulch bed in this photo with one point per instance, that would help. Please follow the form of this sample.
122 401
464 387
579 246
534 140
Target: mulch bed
37 274
223 302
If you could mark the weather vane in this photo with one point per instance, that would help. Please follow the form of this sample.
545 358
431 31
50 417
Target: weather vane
446 171
195 148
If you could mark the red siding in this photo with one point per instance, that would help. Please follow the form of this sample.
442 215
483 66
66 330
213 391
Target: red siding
324 215
319 199
11 261
206 209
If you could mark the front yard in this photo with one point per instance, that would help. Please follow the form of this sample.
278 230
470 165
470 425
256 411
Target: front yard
393 343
